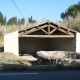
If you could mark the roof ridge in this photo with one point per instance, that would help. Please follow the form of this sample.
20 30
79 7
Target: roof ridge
43 23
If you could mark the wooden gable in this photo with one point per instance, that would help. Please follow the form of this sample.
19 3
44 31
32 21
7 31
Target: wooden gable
47 29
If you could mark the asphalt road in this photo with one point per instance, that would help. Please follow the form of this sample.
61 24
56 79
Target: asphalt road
55 75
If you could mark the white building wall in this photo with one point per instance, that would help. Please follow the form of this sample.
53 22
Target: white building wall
77 42
11 43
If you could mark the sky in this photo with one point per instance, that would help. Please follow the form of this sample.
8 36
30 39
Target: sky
39 9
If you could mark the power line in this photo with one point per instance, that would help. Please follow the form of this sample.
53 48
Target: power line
18 9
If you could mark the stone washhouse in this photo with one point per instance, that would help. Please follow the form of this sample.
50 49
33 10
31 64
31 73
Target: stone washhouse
46 36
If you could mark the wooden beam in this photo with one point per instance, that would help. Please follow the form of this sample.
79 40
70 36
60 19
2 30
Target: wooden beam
48 28
22 32
58 26
53 27
37 26
35 29
44 31
52 31
48 36
68 31
63 31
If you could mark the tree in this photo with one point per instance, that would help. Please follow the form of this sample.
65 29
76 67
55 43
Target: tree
22 21
15 20
12 21
19 22
71 11
30 20
2 19
72 23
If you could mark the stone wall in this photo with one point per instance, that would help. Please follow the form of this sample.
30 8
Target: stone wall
32 45
11 43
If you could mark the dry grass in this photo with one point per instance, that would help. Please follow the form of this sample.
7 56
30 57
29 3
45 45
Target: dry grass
72 23
9 58
1 41
10 28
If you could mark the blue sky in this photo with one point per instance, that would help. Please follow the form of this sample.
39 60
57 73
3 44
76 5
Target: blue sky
39 9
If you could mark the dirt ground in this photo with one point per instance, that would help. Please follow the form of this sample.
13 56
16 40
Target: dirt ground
10 58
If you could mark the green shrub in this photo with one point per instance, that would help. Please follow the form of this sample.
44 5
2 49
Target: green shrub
72 23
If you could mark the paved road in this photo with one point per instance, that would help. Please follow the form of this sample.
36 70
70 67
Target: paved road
55 75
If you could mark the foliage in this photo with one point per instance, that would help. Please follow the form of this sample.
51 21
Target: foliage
71 11
19 21
30 20
15 20
71 17
5 20
2 19
72 23
22 21
12 21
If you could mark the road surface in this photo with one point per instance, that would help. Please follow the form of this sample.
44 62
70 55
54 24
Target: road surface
55 75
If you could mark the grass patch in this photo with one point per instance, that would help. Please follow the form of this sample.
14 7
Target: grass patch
19 67
14 67
1 41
